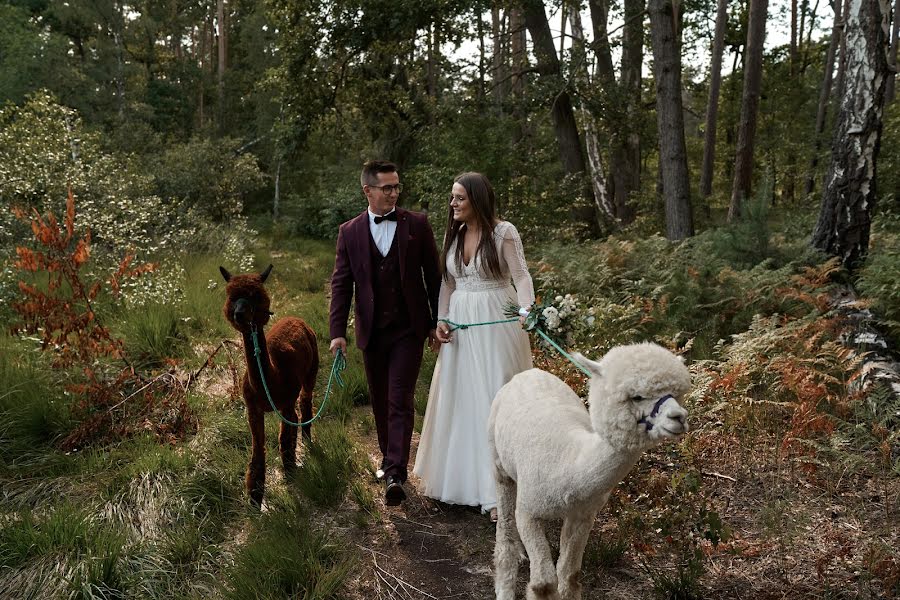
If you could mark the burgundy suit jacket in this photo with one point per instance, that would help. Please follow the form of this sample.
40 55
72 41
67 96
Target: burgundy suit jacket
419 271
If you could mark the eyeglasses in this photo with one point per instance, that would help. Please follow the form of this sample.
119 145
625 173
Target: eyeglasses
389 189
458 199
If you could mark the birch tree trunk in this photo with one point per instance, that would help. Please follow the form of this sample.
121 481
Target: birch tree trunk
824 94
743 160
605 207
670 121
842 54
850 191
712 104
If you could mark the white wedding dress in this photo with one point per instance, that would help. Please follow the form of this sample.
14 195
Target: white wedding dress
453 461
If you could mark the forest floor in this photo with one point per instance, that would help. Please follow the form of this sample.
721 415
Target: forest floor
786 539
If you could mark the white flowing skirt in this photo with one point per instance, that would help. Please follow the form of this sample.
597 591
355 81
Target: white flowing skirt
453 461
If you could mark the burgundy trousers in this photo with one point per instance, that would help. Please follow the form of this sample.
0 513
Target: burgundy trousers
392 360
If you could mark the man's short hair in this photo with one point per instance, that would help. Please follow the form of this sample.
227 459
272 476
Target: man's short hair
372 168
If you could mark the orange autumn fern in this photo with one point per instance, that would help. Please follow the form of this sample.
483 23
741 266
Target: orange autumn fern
61 313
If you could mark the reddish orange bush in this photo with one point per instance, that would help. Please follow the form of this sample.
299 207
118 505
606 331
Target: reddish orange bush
112 400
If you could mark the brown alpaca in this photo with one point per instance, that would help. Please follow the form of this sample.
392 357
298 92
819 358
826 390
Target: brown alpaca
290 362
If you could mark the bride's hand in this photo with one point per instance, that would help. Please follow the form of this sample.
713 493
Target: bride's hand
442 333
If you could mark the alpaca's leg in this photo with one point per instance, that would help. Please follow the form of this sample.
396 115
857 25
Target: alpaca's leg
255 481
287 440
542 582
306 412
575 532
506 545
309 384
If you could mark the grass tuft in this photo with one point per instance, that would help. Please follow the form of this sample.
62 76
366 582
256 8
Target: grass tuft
328 465
288 557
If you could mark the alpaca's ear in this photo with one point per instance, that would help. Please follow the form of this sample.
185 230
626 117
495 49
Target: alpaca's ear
590 365
265 273
225 274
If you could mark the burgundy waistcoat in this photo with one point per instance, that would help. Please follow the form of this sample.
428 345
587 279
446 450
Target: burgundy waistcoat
387 285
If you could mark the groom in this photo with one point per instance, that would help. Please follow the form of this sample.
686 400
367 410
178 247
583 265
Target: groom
387 257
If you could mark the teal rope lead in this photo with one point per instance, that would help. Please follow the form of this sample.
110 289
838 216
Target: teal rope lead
339 364
540 332
563 352
455 326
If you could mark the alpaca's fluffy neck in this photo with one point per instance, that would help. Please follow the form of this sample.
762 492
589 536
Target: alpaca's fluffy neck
608 451
252 365
600 466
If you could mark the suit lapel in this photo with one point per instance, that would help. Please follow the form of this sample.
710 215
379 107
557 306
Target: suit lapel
363 247
402 234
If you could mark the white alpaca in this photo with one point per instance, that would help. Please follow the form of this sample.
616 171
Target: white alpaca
554 459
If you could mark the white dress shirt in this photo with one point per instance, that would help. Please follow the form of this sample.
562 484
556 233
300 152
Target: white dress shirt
382 233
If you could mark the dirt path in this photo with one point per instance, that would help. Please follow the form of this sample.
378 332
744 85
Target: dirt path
424 548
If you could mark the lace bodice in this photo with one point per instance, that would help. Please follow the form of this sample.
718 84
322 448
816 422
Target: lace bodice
475 277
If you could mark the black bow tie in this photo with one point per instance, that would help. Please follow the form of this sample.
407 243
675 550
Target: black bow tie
391 216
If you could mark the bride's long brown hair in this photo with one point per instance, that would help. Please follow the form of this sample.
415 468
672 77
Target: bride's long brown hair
484 203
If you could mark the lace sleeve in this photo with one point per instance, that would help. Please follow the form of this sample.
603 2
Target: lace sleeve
448 286
514 255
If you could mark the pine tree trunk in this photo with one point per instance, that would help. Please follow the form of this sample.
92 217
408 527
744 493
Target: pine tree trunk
670 120
276 201
712 104
743 161
602 201
498 63
599 25
518 53
892 55
564 125
519 57
481 59
824 94
625 157
850 191
220 26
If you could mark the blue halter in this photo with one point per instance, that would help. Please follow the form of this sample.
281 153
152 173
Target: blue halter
655 410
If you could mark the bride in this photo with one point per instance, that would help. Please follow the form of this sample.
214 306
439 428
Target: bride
481 259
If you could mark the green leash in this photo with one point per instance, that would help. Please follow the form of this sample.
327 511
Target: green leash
339 364
455 326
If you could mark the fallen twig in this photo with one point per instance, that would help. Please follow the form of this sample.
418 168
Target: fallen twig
719 475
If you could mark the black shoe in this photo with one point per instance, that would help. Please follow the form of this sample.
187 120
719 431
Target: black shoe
394 495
